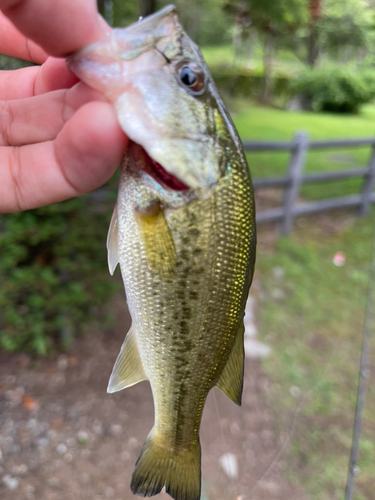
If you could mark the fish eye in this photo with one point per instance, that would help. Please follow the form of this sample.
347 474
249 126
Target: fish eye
188 77
191 76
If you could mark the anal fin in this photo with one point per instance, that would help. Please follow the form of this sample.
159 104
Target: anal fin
231 378
128 369
112 243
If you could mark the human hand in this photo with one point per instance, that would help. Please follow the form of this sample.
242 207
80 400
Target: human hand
58 138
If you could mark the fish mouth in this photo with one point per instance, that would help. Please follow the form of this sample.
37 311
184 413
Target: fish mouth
144 163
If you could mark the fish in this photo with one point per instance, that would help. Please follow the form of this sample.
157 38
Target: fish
183 231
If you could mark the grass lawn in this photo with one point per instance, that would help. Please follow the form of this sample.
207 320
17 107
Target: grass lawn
312 313
256 123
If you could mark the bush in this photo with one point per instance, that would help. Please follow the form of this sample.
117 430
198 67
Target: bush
240 82
337 90
53 273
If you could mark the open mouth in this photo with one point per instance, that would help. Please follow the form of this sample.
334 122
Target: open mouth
145 163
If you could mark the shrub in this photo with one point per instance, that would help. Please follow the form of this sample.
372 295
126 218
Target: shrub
337 90
240 82
53 274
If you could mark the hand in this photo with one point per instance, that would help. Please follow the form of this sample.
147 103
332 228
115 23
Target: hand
58 138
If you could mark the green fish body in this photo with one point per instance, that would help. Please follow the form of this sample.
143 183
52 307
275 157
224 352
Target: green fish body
183 232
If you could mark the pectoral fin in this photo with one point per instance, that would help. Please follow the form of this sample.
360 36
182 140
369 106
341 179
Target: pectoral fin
231 378
128 369
157 239
112 243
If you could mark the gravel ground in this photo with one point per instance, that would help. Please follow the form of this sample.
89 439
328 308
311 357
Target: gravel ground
63 437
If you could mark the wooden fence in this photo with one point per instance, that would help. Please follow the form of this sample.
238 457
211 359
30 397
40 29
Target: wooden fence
292 182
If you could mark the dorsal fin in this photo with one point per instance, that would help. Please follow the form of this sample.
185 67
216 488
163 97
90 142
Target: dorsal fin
231 378
128 369
112 243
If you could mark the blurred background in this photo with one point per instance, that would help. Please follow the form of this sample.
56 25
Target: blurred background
281 67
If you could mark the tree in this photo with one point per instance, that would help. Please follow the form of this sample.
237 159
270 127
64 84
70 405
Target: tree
346 25
272 20
315 14
204 20
120 12
147 7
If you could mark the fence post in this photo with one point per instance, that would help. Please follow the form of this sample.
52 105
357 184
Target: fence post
297 163
368 185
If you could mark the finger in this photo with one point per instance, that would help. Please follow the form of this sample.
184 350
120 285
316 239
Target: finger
59 26
54 75
15 44
82 158
36 80
40 118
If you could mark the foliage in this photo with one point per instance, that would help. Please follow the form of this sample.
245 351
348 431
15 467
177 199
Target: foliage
195 16
337 89
246 83
282 17
123 13
271 21
268 16
204 20
53 274
341 30
346 23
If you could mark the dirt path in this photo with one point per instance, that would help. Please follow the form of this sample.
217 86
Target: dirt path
62 437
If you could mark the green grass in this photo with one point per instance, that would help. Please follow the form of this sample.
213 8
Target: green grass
313 317
256 123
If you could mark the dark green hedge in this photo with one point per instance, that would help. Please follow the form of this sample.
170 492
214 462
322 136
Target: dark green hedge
53 273
336 89
240 82
333 89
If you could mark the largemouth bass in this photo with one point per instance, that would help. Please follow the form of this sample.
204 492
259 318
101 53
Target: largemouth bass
183 232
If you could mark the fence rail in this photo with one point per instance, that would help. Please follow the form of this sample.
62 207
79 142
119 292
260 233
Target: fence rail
290 145
292 182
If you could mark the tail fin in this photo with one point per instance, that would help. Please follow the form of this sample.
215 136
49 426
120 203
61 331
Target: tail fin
178 469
